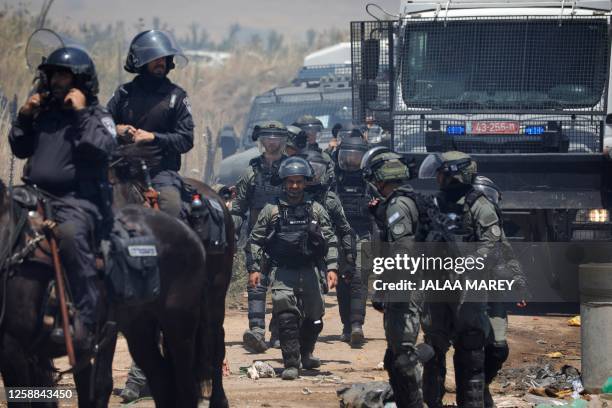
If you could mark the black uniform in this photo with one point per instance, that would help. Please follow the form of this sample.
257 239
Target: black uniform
353 194
67 154
161 107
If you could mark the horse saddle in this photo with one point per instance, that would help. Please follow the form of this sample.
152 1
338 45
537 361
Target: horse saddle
207 219
29 242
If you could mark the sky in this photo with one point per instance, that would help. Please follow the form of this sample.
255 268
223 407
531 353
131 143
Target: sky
290 17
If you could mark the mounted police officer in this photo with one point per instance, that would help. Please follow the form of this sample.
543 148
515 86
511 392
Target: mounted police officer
465 324
152 111
253 191
296 235
496 350
67 138
397 216
354 195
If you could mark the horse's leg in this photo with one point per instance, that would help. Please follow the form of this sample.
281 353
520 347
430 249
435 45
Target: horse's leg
15 366
104 368
144 348
179 338
216 315
41 372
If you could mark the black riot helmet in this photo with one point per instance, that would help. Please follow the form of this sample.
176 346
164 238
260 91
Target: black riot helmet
295 166
151 45
351 151
79 63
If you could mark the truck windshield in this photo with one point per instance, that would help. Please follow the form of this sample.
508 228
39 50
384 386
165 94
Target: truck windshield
513 64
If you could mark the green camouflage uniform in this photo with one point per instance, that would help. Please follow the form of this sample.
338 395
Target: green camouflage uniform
297 300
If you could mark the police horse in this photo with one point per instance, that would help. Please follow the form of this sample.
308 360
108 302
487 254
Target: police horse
189 310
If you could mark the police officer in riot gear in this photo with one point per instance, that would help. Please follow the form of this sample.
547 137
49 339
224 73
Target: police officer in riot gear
354 195
150 110
397 215
496 349
319 190
313 128
465 324
296 235
67 138
296 141
253 191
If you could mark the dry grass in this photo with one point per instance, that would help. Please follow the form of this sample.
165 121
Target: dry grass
219 95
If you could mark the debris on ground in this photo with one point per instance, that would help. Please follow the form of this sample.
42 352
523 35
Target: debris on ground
539 378
326 379
380 366
365 395
555 354
574 321
306 391
259 369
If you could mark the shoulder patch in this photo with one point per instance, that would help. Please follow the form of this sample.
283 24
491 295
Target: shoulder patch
109 124
394 217
187 104
398 229
496 231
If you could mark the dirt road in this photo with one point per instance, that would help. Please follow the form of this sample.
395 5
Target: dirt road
531 337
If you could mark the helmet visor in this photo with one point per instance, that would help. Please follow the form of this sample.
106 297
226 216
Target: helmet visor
319 171
272 142
156 44
430 166
492 194
350 160
40 45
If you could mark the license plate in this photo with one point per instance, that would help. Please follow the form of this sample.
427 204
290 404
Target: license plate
495 128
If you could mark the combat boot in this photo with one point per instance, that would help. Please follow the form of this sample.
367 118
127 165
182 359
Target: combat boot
253 340
345 337
357 337
310 362
290 373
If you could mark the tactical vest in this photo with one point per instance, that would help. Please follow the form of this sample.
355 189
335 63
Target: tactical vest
460 215
352 191
263 191
289 242
153 112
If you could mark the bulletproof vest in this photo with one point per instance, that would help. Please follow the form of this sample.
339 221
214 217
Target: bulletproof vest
458 214
289 242
352 191
152 111
263 191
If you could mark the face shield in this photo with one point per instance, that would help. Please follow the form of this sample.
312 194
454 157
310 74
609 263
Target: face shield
313 133
319 172
430 166
350 160
492 194
272 143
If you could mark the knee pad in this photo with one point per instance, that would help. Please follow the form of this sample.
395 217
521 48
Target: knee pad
288 321
406 363
311 326
471 340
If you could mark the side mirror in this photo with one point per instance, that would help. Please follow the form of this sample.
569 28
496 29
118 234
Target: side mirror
370 58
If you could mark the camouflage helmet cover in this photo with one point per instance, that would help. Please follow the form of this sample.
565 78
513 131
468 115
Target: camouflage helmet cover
458 165
381 164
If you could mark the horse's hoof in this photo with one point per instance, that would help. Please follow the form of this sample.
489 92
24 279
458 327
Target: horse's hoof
219 403
207 389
